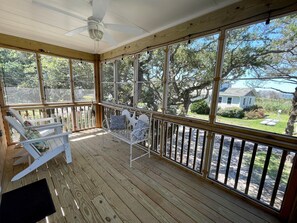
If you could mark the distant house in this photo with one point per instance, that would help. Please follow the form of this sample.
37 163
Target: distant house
237 97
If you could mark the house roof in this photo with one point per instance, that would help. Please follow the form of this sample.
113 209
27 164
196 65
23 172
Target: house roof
238 92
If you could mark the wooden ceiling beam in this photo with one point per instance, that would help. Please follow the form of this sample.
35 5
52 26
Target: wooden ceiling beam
19 43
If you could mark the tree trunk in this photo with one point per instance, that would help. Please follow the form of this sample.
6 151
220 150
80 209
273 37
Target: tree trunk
293 115
187 102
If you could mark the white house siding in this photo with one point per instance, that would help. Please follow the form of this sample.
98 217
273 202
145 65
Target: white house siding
234 103
237 102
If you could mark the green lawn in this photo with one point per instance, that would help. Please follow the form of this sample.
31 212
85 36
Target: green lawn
254 124
273 165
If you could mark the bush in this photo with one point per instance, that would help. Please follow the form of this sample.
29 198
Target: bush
200 107
231 112
273 105
254 112
252 108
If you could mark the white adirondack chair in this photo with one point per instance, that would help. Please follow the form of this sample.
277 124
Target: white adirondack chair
43 130
58 143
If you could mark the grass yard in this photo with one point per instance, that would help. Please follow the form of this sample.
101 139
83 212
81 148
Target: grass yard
253 124
273 165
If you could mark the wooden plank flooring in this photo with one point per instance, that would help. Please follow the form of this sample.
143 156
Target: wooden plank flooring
99 186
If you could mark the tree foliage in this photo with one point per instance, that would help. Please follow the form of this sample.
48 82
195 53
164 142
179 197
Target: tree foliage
19 76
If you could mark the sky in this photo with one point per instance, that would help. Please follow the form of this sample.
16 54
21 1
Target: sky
281 85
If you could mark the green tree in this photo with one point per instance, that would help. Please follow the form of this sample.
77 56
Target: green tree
83 76
191 71
19 76
150 78
56 78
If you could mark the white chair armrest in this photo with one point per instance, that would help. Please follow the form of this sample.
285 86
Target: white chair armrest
41 120
43 127
45 138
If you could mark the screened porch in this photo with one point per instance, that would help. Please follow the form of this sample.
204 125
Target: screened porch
221 93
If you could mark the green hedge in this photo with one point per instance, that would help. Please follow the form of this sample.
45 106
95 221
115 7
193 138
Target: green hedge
231 112
200 107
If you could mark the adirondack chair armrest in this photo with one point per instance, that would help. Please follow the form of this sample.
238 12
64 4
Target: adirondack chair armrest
45 138
41 120
47 126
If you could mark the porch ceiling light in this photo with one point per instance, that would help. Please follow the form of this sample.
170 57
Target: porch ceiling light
95 29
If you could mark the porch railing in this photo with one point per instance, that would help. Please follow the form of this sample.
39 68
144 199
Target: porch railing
73 117
254 169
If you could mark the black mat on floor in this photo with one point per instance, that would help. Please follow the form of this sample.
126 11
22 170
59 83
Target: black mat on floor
30 203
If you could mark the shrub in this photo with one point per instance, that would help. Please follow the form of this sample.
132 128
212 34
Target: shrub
200 107
273 105
252 108
254 112
231 112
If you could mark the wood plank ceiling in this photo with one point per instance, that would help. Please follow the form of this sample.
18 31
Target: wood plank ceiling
23 18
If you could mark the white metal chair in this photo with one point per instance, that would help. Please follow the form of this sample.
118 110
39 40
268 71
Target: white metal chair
130 132
57 144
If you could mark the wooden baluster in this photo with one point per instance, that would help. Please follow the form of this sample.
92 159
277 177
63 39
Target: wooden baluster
171 139
195 151
176 143
219 157
251 168
239 164
165 138
33 114
182 146
229 160
264 173
154 135
77 118
189 146
278 176
202 150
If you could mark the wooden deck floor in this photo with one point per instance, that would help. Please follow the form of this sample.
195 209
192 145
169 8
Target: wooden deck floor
99 186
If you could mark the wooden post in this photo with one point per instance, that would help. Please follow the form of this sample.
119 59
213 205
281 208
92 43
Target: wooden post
165 79
289 206
135 83
97 80
74 118
6 132
71 81
164 101
115 80
213 107
41 84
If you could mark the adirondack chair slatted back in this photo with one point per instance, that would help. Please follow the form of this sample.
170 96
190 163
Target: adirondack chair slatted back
17 115
20 129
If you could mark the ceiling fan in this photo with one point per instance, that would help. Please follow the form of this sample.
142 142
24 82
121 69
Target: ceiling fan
96 27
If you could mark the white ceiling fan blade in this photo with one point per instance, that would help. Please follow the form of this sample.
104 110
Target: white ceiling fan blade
57 9
99 8
124 28
76 31
108 38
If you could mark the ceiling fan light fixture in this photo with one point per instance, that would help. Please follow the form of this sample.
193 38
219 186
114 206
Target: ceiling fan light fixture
95 29
95 34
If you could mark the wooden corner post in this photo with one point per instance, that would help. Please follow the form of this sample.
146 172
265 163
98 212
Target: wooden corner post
97 72
213 108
